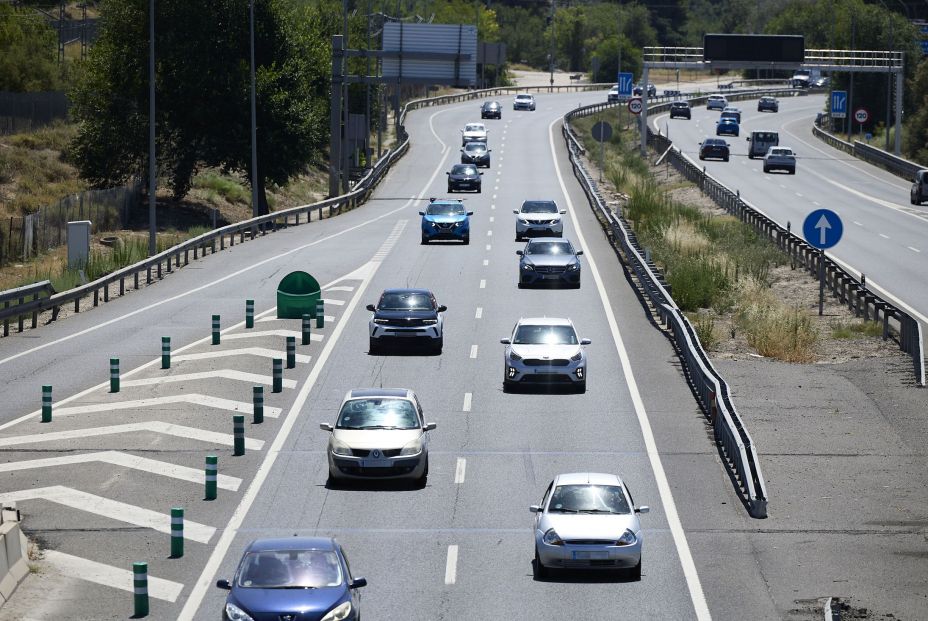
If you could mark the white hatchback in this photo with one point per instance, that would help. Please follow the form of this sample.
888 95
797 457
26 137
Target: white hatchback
716 102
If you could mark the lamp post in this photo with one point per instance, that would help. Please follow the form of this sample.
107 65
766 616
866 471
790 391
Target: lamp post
255 207
152 168
551 48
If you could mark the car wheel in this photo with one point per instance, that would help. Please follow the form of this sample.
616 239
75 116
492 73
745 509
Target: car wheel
522 284
635 572
332 481
438 344
702 157
508 386
374 347
725 159
425 240
539 571
466 239
581 387
450 190
792 171
422 481
766 169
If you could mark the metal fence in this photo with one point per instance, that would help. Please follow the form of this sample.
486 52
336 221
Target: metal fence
20 112
861 150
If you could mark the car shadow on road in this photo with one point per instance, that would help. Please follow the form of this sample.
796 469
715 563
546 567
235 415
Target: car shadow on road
580 576
411 349
374 485
541 389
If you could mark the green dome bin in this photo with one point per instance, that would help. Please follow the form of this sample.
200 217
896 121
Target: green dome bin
297 295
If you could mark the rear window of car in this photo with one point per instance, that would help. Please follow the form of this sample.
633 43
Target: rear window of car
473 128
680 104
714 142
765 136
478 147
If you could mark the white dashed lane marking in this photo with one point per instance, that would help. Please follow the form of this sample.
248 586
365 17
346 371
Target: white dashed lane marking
486 262
483 283
460 470
467 399
857 223
479 313
884 236
913 249
451 567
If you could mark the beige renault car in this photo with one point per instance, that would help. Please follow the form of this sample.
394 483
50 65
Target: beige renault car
379 433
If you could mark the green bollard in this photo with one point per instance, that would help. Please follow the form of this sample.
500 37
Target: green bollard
307 322
165 352
238 428
140 588
278 375
291 352
177 532
114 374
215 329
212 468
249 313
320 313
46 404
258 396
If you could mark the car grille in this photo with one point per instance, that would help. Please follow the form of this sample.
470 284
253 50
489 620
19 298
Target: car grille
536 362
406 323
590 542
540 222
367 452
550 269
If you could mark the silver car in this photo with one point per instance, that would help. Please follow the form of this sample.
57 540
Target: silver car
544 350
524 101
474 132
549 260
780 158
538 218
587 520
379 433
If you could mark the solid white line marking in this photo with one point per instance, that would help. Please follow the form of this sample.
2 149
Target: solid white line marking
486 262
816 203
253 334
460 470
194 398
670 509
798 194
107 575
112 509
154 426
467 399
492 206
451 567
473 351
479 313
884 236
262 352
125 460
231 374
494 197
483 283
913 249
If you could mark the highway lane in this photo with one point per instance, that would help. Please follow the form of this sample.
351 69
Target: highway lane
884 235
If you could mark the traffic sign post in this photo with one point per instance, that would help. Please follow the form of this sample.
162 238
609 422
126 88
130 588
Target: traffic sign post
625 80
839 104
602 132
822 229
635 106
861 115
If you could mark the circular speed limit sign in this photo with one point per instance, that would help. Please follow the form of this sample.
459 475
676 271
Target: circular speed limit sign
861 115
634 105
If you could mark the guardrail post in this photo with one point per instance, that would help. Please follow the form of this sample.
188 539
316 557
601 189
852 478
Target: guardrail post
307 322
177 532
140 588
165 352
212 468
713 407
238 430
114 374
291 352
215 329
46 404
278 377
249 314
258 402
320 310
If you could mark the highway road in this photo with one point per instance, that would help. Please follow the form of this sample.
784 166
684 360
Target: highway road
96 485
885 237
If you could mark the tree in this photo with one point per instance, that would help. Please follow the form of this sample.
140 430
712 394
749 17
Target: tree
915 138
27 51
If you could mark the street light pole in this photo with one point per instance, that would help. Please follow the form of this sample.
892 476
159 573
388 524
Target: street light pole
551 54
255 207
152 168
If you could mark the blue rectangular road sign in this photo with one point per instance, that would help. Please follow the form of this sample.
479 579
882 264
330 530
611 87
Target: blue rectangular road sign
625 84
838 104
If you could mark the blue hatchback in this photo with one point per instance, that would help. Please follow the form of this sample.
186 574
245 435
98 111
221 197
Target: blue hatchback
446 219
727 126
305 578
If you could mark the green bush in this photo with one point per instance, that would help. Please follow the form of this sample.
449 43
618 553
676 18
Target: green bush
226 187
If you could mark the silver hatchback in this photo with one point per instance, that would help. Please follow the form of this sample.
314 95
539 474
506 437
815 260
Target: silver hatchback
544 350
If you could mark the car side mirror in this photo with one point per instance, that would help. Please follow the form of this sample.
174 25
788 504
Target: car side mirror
224 584
461 150
489 150
505 341
421 213
563 211
535 509
357 583
371 307
481 174
748 139
325 427
520 252
579 252
470 213
515 211
429 427
643 509
448 173
442 308
585 341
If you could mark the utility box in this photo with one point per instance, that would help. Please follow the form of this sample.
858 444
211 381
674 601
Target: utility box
78 244
297 295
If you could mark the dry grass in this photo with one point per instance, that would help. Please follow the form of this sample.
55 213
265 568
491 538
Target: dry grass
773 329
685 237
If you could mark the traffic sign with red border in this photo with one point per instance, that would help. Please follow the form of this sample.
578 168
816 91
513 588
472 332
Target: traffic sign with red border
634 105
861 115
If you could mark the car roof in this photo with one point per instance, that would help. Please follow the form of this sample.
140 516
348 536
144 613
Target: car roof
587 478
550 238
714 141
407 290
363 393
292 543
524 95
544 321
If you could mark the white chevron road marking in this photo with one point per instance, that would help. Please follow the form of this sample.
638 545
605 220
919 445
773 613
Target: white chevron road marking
156 426
107 575
262 352
194 398
251 378
252 334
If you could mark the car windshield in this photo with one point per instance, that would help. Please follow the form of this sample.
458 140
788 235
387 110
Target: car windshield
405 301
445 209
377 414
473 128
549 247
545 335
588 499
491 104
475 147
765 136
539 207
290 569
463 169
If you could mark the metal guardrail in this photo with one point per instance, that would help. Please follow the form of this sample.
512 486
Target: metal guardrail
709 387
16 298
899 166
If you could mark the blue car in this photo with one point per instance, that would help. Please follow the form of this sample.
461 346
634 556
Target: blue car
446 219
305 578
727 126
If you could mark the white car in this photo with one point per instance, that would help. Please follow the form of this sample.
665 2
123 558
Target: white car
474 132
547 351
780 158
587 520
524 101
613 94
716 102
380 433
539 218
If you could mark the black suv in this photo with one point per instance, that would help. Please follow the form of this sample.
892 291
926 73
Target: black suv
407 316
464 177
491 110
681 109
715 148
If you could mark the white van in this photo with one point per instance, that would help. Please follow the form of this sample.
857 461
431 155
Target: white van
760 142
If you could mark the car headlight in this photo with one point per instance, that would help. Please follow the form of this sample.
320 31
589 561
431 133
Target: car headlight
457 224
514 356
577 357
555 220
340 448
412 448
523 220
528 266
339 612
551 538
381 321
434 225
237 614
628 538
573 267
429 322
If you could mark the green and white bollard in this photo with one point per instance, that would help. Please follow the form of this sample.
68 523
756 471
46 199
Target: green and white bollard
307 322
165 352
291 352
212 469
278 375
238 429
320 313
140 588
258 396
215 329
249 313
177 532
46 404
114 374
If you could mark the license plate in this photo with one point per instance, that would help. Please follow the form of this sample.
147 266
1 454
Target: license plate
405 333
551 276
375 463
582 555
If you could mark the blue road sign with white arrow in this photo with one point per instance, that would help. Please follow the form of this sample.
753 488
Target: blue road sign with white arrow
839 104
822 228
625 84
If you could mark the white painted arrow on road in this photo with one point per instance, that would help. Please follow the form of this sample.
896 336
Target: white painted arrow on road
155 426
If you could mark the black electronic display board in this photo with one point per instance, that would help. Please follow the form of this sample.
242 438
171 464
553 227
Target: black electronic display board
754 48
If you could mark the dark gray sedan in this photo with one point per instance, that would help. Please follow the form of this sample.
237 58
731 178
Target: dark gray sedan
464 177
476 153
549 260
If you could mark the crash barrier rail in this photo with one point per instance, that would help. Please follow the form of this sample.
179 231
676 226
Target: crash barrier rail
17 298
710 388
899 166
